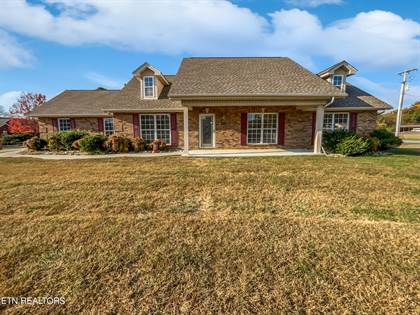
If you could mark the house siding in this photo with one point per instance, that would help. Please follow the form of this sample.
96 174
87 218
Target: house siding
298 127
366 122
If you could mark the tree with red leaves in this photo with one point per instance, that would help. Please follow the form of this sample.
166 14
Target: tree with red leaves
26 103
22 125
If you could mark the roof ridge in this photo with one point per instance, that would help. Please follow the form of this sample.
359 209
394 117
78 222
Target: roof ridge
242 57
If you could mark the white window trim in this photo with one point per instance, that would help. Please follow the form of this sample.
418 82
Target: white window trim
154 124
342 80
144 87
113 126
262 128
333 118
213 131
58 124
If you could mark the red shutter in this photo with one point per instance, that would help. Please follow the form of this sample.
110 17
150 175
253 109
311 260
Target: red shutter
313 127
353 122
281 128
136 131
54 124
244 126
174 133
100 124
72 123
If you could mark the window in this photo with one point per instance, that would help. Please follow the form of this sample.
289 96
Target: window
156 126
149 86
334 121
108 126
338 80
64 124
262 128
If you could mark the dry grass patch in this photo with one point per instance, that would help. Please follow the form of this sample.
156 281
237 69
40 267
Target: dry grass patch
246 235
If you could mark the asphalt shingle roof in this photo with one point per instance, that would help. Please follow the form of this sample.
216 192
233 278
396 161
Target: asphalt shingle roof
254 76
359 98
75 102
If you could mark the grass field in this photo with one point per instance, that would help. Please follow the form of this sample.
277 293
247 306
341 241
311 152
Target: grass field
410 135
245 235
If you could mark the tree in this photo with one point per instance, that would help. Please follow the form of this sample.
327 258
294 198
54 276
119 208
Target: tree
22 125
26 103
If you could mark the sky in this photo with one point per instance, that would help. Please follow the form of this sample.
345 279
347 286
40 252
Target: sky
47 46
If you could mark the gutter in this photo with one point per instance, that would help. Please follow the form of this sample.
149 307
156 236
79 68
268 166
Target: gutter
330 102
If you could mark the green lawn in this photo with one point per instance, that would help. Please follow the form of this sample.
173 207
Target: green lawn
243 235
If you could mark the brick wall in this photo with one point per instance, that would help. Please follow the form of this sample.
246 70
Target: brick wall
45 126
298 129
83 123
366 122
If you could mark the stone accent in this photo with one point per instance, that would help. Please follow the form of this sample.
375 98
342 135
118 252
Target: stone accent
366 122
46 126
87 123
123 124
298 129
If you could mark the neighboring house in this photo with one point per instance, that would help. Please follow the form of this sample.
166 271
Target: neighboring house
221 103
4 125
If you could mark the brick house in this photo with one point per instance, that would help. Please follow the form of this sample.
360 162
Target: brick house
223 103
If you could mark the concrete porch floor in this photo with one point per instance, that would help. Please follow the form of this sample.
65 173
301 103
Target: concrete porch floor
249 152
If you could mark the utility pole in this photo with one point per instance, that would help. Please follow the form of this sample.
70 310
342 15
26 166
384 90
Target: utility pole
400 104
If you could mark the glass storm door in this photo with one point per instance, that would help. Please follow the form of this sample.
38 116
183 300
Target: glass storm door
207 131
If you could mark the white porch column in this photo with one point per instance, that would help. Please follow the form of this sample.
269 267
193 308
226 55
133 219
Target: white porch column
318 129
186 136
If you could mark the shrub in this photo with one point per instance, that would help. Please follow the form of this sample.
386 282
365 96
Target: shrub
386 139
36 143
16 138
64 140
157 145
118 144
137 144
67 138
93 143
353 145
374 144
331 139
76 145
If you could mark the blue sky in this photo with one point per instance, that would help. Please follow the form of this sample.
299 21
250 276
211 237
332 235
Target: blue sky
48 46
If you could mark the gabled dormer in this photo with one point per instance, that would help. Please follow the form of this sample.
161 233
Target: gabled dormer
338 73
152 81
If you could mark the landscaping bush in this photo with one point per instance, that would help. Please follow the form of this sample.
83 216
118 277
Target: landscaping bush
63 141
331 139
93 143
118 144
353 145
157 146
67 138
137 144
76 145
36 143
386 139
16 138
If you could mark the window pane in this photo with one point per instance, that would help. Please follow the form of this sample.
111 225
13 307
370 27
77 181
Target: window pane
147 124
109 126
254 136
337 80
163 128
341 120
328 121
149 90
270 120
148 81
269 136
254 121
64 124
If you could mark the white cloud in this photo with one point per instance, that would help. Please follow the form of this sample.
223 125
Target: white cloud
103 81
7 99
312 3
218 27
11 53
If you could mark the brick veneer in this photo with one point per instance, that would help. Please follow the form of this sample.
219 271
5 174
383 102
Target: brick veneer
366 122
298 128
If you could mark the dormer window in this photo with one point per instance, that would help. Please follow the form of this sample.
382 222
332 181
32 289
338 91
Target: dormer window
149 87
338 80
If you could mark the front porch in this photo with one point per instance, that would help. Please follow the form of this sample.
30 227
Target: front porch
249 152
252 130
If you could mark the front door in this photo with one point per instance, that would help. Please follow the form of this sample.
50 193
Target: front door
207 129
